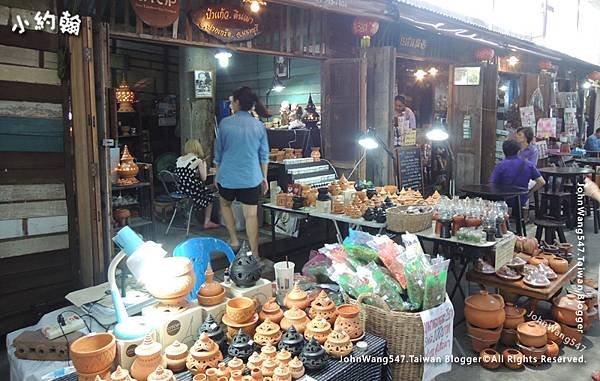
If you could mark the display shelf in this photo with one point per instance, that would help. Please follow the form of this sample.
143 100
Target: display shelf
137 222
132 186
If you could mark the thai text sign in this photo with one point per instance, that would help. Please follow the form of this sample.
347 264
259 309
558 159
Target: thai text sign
438 333
227 23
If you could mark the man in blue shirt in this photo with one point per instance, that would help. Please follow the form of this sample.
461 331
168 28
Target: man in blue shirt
242 158
592 143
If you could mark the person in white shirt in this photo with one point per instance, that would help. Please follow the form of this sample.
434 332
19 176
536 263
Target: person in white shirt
402 110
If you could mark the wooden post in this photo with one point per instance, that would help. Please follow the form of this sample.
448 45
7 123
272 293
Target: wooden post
362 113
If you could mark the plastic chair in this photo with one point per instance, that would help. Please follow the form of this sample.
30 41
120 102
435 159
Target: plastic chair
170 183
199 251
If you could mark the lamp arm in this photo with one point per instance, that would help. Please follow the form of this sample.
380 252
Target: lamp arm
384 146
117 300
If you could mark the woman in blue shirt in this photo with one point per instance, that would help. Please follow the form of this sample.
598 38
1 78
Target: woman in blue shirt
242 158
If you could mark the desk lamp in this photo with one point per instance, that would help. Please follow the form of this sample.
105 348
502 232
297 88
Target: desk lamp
369 141
438 134
142 260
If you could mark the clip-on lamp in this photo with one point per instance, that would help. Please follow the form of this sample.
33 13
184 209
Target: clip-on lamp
369 141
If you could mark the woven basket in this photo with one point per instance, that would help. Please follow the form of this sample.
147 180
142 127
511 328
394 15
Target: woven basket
403 332
400 222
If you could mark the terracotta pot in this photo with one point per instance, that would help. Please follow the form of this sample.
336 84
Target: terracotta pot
282 373
223 370
240 309
553 331
552 349
514 316
177 279
236 364
565 247
334 189
296 368
559 265
471 221
318 328
148 358
478 345
203 354
569 310
508 337
532 355
294 317
484 334
211 374
93 355
315 153
121 216
572 335
537 260
268 352
254 361
458 222
267 333
176 355
323 306
532 334
211 293
235 376
272 311
256 374
513 359
338 207
485 310
296 298
490 359
268 367
161 374
338 344
233 328
349 321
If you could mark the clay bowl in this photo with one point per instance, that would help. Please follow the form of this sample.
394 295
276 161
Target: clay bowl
552 349
485 310
484 334
547 256
533 354
572 336
233 327
532 334
537 260
513 359
211 300
569 315
240 309
479 345
490 359
559 265
94 353
508 337
348 311
553 331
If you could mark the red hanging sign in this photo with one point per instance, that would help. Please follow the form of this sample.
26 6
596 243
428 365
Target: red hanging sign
156 13
227 23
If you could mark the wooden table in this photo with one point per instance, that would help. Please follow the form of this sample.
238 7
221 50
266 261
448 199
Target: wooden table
495 192
564 172
593 162
273 208
561 158
354 223
520 288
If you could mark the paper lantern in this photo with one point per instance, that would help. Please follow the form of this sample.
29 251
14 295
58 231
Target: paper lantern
484 54
365 29
125 97
594 76
545 64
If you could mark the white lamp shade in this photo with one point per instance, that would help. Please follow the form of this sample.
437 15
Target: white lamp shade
437 134
368 142
144 260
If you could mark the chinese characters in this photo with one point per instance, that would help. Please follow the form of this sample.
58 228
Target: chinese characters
67 23
414 43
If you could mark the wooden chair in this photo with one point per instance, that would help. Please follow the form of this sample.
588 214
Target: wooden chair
550 229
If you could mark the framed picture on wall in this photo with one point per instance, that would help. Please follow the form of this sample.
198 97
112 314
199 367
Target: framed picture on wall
282 67
467 76
203 84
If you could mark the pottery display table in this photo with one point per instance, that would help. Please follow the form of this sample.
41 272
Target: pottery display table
353 223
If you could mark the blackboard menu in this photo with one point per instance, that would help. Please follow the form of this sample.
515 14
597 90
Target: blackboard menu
410 168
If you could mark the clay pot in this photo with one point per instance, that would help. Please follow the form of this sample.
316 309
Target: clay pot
120 374
478 344
323 306
176 355
552 349
315 153
211 293
214 332
298 153
349 321
241 346
490 359
289 153
254 361
508 337
256 374
572 335
127 169
292 341
148 358
93 355
565 309
532 334
337 207
559 265
513 359
296 368
313 355
204 354
334 189
235 376
537 260
121 216
223 370
565 247
267 333
514 316
311 198
484 334
272 311
296 298
161 374
282 373
338 344
268 367
268 352
319 329
294 317
177 279
485 310
343 183
532 355
211 374
283 357
245 270
236 364
553 331
529 245
240 309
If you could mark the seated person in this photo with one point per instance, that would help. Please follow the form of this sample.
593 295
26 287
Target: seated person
516 171
592 143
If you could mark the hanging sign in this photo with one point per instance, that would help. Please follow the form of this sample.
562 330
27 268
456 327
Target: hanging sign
157 13
227 23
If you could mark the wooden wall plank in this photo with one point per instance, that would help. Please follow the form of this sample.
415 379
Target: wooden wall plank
31 134
31 175
47 225
16 210
31 92
40 41
31 300
50 60
50 276
19 56
30 109
28 74
32 168
17 247
12 193
34 262
11 229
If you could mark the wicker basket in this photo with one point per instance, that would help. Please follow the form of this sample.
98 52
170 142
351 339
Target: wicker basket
400 222
403 332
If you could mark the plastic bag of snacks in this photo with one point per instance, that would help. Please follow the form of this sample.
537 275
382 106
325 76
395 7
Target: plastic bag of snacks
316 269
387 287
435 283
357 246
390 254
349 280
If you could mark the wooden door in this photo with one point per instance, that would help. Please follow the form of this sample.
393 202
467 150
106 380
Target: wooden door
340 120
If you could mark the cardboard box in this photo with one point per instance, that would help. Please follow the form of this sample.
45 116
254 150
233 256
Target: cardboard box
126 352
217 312
173 323
261 291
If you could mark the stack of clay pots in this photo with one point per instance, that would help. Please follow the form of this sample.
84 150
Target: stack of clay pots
571 313
240 313
485 317
514 317
532 340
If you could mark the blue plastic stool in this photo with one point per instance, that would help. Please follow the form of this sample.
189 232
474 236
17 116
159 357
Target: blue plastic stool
199 251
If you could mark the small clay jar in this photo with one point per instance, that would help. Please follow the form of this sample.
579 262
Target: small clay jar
319 329
335 189
552 349
161 374
338 344
121 374
254 361
256 374
283 357
272 311
268 367
296 368
349 321
324 307
223 370
313 355
282 373
176 355
202 377
204 354
294 317
268 352
267 333
537 260
236 364
490 359
235 376
513 359
147 359
559 265
292 341
211 374
296 298
211 293
338 206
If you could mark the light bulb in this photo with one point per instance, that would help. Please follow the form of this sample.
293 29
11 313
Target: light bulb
513 60
433 71
586 85
223 58
255 6
420 74
503 88
278 88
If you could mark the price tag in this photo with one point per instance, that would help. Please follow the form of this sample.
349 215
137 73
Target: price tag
411 138
504 251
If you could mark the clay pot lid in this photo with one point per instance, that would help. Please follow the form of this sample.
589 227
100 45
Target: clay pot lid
531 328
268 350
338 336
120 374
161 374
569 302
176 349
283 356
271 306
513 311
282 371
485 302
270 363
148 347
295 363
297 293
210 288
295 313
235 363
255 359
126 155
319 325
175 266
267 328
323 302
204 344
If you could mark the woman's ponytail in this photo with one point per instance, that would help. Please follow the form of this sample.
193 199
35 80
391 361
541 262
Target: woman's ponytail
249 99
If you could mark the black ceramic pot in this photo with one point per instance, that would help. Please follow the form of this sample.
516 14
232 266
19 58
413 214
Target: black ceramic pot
245 270
214 331
380 216
298 202
241 346
292 341
371 192
369 215
323 194
313 355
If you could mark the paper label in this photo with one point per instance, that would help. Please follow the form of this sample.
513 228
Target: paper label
504 251
438 333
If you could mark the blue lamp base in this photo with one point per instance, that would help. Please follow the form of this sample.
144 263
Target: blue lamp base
132 328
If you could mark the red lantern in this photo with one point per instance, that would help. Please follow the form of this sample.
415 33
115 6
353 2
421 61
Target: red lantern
365 29
545 64
594 76
484 54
